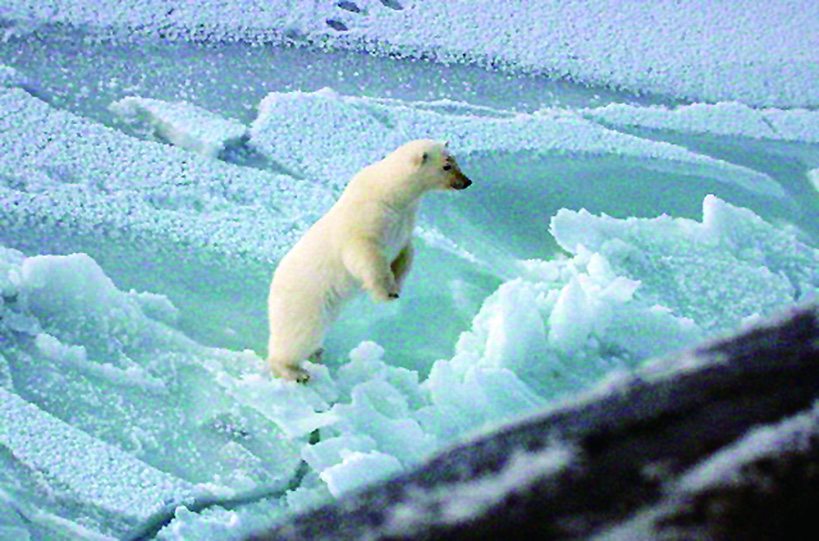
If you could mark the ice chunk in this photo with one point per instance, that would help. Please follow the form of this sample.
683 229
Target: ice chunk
61 288
359 469
813 176
219 523
327 453
155 306
367 364
311 133
570 322
515 333
182 124
55 350
468 399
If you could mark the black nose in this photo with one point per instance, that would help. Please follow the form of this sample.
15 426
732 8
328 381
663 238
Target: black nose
462 183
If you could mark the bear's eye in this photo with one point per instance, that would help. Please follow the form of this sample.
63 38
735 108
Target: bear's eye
447 167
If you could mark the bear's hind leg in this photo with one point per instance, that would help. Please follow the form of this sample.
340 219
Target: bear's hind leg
289 371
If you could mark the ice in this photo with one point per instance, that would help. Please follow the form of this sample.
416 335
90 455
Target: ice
119 486
220 523
297 411
629 289
133 272
182 124
12 525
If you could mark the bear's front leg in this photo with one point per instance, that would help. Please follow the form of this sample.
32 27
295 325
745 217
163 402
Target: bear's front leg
365 260
402 264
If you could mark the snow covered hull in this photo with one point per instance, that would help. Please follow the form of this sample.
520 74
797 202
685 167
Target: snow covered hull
718 443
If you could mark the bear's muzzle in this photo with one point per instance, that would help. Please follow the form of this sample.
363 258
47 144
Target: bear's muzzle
460 182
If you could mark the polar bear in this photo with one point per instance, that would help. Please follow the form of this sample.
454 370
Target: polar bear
363 242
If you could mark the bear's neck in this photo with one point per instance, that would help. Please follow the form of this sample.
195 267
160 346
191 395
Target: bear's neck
400 199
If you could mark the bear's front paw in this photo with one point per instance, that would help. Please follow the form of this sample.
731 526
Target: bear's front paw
385 295
385 291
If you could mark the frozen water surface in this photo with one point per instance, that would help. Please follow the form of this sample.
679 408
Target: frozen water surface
157 160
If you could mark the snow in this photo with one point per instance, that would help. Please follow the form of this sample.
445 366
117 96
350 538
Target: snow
724 118
135 255
793 435
462 501
745 50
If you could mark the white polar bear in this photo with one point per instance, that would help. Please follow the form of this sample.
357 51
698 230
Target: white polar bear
364 241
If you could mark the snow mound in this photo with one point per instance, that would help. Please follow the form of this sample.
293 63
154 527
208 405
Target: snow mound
182 124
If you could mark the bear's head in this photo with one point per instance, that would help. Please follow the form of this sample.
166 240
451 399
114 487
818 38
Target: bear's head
427 165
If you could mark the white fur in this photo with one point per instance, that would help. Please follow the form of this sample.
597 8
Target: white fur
364 241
